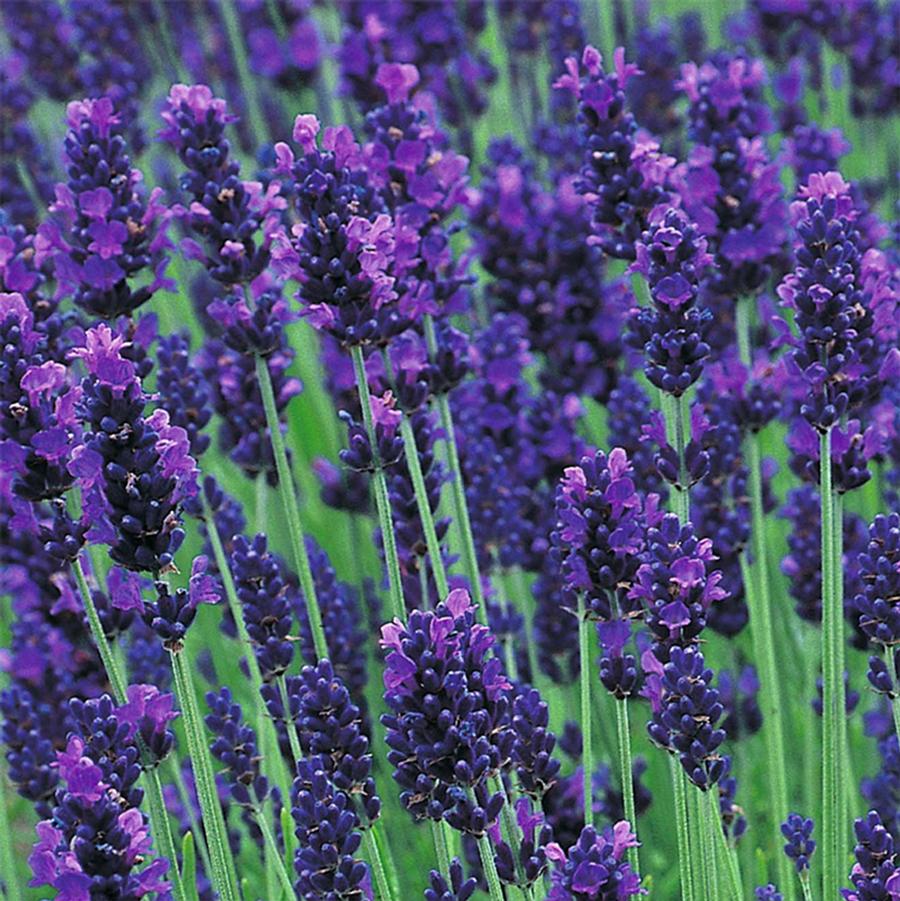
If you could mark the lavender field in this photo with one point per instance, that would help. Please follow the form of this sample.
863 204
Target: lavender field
450 449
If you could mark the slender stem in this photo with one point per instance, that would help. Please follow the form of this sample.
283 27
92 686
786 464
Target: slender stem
726 855
440 848
587 755
832 679
273 764
262 820
804 887
382 501
756 586
161 829
490 868
888 654
291 509
383 846
701 841
426 517
458 488
7 860
624 736
374 855
681 497
246 78
184 796
293 738
223 876
681 830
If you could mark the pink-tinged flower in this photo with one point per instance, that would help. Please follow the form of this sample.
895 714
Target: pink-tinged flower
306 130
99 113
397 80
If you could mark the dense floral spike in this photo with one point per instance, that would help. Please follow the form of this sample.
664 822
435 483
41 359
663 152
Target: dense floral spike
344 248
263 593
799 843
730 186
532 754
235 746
449 726
329 724
676 584
595 866
98 837
135 471
326 827
835 352
533 243
533 861
182 391
624 175
876 874
108 233
879 616
686 715
672 256
171 614
599 536
226 212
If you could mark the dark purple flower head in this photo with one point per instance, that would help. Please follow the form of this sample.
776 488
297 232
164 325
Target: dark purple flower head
234 219
834 355
624 175
345 248
595 866
879 572
147 713
107 232
686 722
599 535
738 693
532 754
329 724
876 874
98 837
135 471
797 831
171 614
327 830
234 745
734 823
359 455
729 185
676 584
767 893
263 593
449 728
182 390
532 862
672 256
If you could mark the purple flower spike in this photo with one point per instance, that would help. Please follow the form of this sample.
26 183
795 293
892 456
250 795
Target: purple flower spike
595 866
624 175
799 847
449 727
599 535
876 873
673 335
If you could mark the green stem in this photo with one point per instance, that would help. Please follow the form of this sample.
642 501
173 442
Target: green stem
425 515
383 847
440 848
223 875
490 868
382 501
457 486
702 843
888 654
273 764
374 855
624 735
681 830
184 796
293 738
159 820
7 860
832 679
246 78
727 856
804 887
587 756
291 509
756 585
262 820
